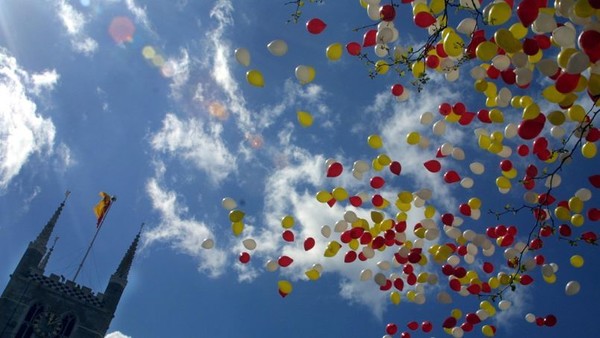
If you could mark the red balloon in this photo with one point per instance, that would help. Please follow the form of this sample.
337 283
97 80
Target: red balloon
395 168
377 182
529 129
288 236
397 89
527 12
523 150
474 289
526 280
550 320
465 209
445 108
370 38
432 61
387 286
387 13
451 177
282 294
426 326
447 219
565 230
589 41
377 200
466 326
566 82
530 46
399 284
285 261
350 257
543 41
506 165
593 135
331 202
595 181
540 144
309 243
355 201
412 325
466 118
433 166
391 328
484 116
353 48
424 19
488 267
455 284
593 214
493 72
472 318
335 169
315 25
508 76
459 108
244 257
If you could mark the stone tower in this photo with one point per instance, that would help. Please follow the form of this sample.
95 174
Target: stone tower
37 305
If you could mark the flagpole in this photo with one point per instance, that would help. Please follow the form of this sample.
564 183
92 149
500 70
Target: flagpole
112 199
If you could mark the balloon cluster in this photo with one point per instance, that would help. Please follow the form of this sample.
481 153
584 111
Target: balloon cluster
525 46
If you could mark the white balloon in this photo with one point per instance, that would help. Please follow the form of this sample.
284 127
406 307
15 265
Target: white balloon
578 62
467 183
458 154
523 76
384 36
271 265
384 265
426 118
452 75
208 244
572 288
557 132
564 36
501 62
439 128
326 231
424 194
584 194
340 226
380 279
477 168
467 26
366 274
228 203
446 149
304 74
350 216
373 12
478 73
457 332
548 67
530 318
249 243
277 47
357 174
475 214
553 181
444 297
361 166
519 59
381 50
242 55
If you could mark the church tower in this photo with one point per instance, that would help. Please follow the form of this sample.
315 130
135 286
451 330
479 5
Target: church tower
36 305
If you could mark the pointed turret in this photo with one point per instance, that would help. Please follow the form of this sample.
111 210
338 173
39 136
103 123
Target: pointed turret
118 280
36 250
46 258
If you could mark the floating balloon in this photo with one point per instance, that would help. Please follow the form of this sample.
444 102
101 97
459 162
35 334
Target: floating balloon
277 47
285 287
208 244
305 119
334 51
305 74
315 26
255 78
228 203
242 55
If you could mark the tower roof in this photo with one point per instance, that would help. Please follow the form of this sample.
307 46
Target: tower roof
125 265
43 238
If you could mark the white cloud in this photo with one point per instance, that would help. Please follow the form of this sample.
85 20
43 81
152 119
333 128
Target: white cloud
197 142
178 69
44 81
74 22
140 15
23 131
184 234
117 334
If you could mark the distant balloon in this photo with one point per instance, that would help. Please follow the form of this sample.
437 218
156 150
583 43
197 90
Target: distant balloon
315 26
208 243
228 203
305 74
277 47
305 119
255 78
242 55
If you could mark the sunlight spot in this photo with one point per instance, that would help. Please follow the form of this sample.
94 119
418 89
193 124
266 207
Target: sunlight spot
121 29
256 141
218 110
148 52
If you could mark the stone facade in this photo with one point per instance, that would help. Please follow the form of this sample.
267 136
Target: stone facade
48 306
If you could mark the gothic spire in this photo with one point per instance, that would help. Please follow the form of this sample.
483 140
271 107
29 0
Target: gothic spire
44 262
42 239
125 265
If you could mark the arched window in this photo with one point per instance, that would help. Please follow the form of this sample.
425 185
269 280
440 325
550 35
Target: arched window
68 324
26 328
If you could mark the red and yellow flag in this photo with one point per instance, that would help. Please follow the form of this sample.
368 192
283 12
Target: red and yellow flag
102 207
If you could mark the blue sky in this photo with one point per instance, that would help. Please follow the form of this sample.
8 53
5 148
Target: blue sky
161 116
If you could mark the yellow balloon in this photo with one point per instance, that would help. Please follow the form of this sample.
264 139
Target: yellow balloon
589 149
255 78
552 95
437 6
382 67
236 215
575 204
418 69
395 297
481 85
576 261
556 117
383 159
334 51
562 213
564 55
496 116
453 44
237 228
531 111
429 211
518 30
375 141
313 274
305 119
486 50
507 41
324 196
287 222
487 329
332 249
474 203
594 84
340 193
407 197
503 182
550 279
577 220
576 113
285 286
413 138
